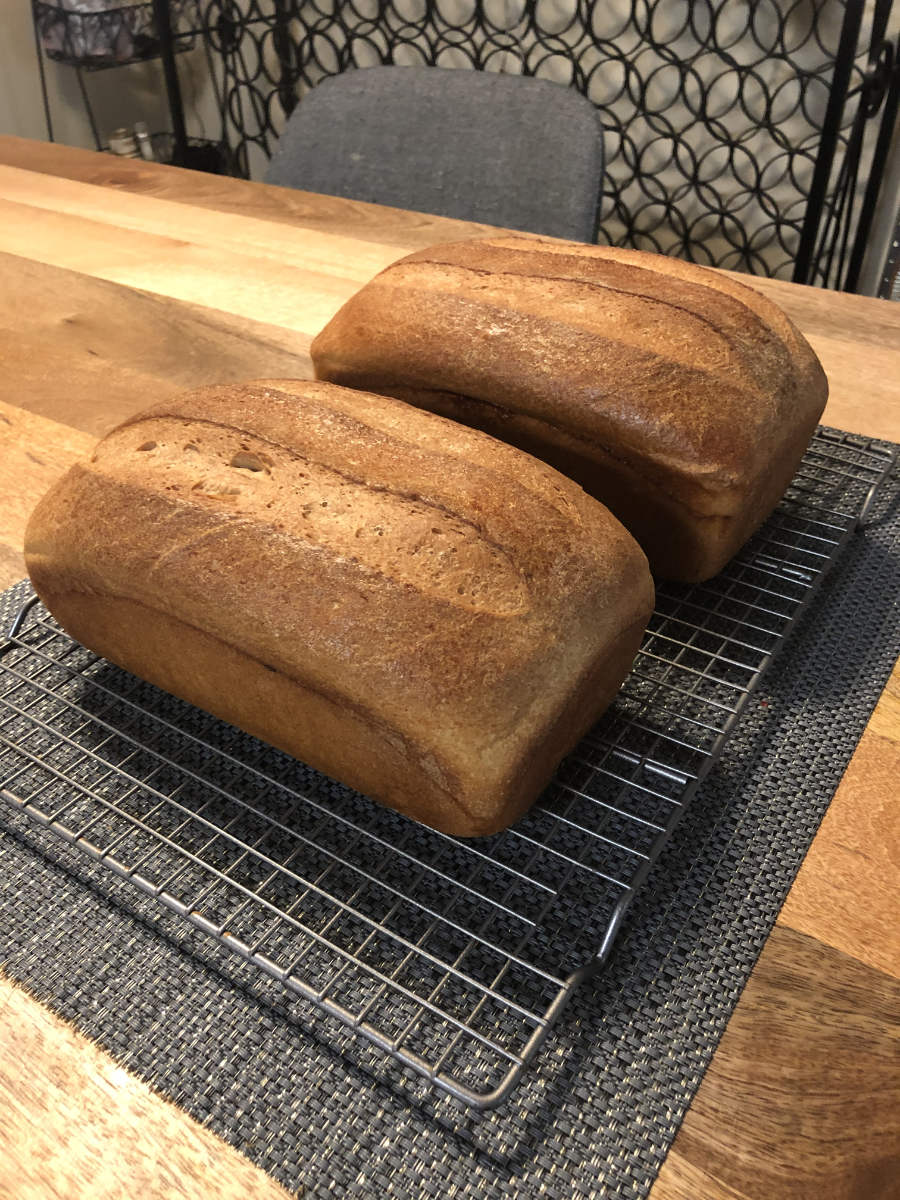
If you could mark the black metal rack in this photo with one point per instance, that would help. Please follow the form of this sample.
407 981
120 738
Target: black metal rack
91 36
96 39
454 956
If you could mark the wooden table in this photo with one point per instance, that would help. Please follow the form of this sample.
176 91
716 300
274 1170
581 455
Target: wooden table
125 281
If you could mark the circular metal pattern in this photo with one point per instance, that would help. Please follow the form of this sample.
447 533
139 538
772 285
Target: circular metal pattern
713 111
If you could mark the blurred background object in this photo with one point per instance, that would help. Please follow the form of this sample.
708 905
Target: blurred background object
753 135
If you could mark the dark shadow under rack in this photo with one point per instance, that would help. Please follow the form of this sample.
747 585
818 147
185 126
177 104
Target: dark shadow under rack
455 957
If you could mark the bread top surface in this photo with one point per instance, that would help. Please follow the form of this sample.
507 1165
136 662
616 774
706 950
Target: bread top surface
677 368
447 587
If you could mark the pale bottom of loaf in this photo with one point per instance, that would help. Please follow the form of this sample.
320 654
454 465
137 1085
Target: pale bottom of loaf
325 732
680 543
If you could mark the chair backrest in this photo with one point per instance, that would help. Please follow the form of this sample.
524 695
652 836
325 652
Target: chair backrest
507 150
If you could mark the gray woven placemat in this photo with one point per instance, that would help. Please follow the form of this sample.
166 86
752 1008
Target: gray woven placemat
328 1115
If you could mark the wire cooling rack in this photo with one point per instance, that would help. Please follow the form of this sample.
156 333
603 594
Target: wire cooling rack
454 956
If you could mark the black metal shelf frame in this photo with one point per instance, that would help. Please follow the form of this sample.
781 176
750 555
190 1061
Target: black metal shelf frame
92 37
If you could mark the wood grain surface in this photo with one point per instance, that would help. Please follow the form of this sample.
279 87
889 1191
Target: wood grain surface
846 895
812 1023
284 206
82 1128
89 353
34 452
128 280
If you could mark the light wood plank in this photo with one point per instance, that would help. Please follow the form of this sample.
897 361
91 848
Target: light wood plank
847 894
287 206
259 289
856 318
90 353
835 314
682 1179
12 569
862 382
336 255
34 452
83 1128
802 1098
885 720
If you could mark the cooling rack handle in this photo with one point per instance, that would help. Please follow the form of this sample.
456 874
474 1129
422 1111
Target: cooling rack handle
19 619
862 517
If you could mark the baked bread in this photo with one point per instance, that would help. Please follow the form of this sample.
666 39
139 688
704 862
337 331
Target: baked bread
678 397
408 605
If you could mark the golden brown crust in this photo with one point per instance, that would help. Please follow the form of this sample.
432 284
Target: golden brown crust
404 602
650 369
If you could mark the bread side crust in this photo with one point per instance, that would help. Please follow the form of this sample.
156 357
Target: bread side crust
463 676
326 731
625 369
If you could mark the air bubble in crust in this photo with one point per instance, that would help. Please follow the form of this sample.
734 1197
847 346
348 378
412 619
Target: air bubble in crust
244 460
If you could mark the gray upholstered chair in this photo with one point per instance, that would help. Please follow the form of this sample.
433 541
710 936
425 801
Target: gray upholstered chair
507 150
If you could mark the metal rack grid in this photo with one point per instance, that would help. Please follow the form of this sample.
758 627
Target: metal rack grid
454 956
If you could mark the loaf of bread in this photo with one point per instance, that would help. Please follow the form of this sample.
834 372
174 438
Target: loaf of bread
406 604
680 398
